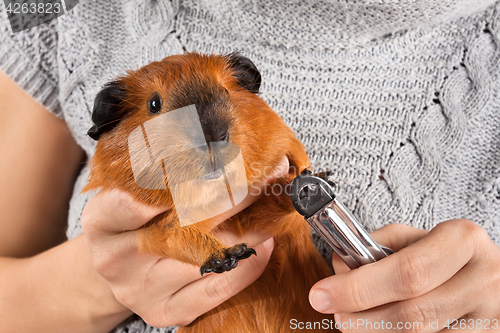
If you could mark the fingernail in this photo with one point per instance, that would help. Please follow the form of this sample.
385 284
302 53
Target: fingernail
268 244
320 300
282 168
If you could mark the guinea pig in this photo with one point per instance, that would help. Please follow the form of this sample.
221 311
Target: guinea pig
221 137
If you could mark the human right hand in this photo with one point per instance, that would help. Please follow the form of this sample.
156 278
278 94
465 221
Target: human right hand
445 279
163 291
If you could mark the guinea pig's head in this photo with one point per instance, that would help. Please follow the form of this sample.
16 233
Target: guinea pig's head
189 119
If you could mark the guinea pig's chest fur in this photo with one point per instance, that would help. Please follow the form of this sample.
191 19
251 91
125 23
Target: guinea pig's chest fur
235 121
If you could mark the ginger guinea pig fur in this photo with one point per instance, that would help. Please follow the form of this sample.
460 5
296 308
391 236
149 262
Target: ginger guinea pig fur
233 118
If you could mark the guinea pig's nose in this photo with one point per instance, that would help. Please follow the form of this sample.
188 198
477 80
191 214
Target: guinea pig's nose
222 153
224 137
217 136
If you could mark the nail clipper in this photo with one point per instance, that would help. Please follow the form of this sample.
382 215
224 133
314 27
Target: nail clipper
313 197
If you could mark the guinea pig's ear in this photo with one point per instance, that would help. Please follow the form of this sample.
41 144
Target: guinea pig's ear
107 110
245 72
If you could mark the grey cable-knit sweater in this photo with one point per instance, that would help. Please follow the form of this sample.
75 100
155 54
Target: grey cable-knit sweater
400 99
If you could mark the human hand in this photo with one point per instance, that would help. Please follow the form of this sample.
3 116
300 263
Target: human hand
163 291
451 272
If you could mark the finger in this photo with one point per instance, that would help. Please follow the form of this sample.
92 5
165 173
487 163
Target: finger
409 273
113 211
394 236
150 285
339 266
250 238
110 252
280 170
427 313
208 292
397 236
271 173
179 274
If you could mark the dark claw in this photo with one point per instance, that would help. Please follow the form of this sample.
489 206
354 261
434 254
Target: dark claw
227 259
325 175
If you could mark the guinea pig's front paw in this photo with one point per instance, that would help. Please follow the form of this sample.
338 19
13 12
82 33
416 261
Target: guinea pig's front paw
227 259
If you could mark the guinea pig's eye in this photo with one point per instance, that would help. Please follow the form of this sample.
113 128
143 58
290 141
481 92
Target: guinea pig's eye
154 104
224 137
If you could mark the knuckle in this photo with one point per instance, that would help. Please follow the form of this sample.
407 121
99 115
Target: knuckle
495 277
396 228
99 265
219 289
129 207
168 316
155 320
102 260
470 229
491 274
414 275
163 319
472 234
156 315
93 223
88 224
465 229
184 322
100 214
124 296
416 315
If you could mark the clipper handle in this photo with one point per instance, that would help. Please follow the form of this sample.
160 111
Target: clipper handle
340 229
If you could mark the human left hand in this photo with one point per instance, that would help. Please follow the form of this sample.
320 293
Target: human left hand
436 277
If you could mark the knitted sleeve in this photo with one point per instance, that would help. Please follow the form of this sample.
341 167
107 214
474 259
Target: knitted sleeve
29 57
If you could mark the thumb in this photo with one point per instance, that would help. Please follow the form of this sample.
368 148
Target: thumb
212 290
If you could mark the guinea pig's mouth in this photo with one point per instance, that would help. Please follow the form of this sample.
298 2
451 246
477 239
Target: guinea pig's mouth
213 175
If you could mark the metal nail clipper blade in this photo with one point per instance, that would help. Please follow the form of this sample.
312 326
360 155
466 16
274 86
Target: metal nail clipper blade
314 198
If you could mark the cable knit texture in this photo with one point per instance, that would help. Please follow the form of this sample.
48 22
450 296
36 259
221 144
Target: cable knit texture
400 99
